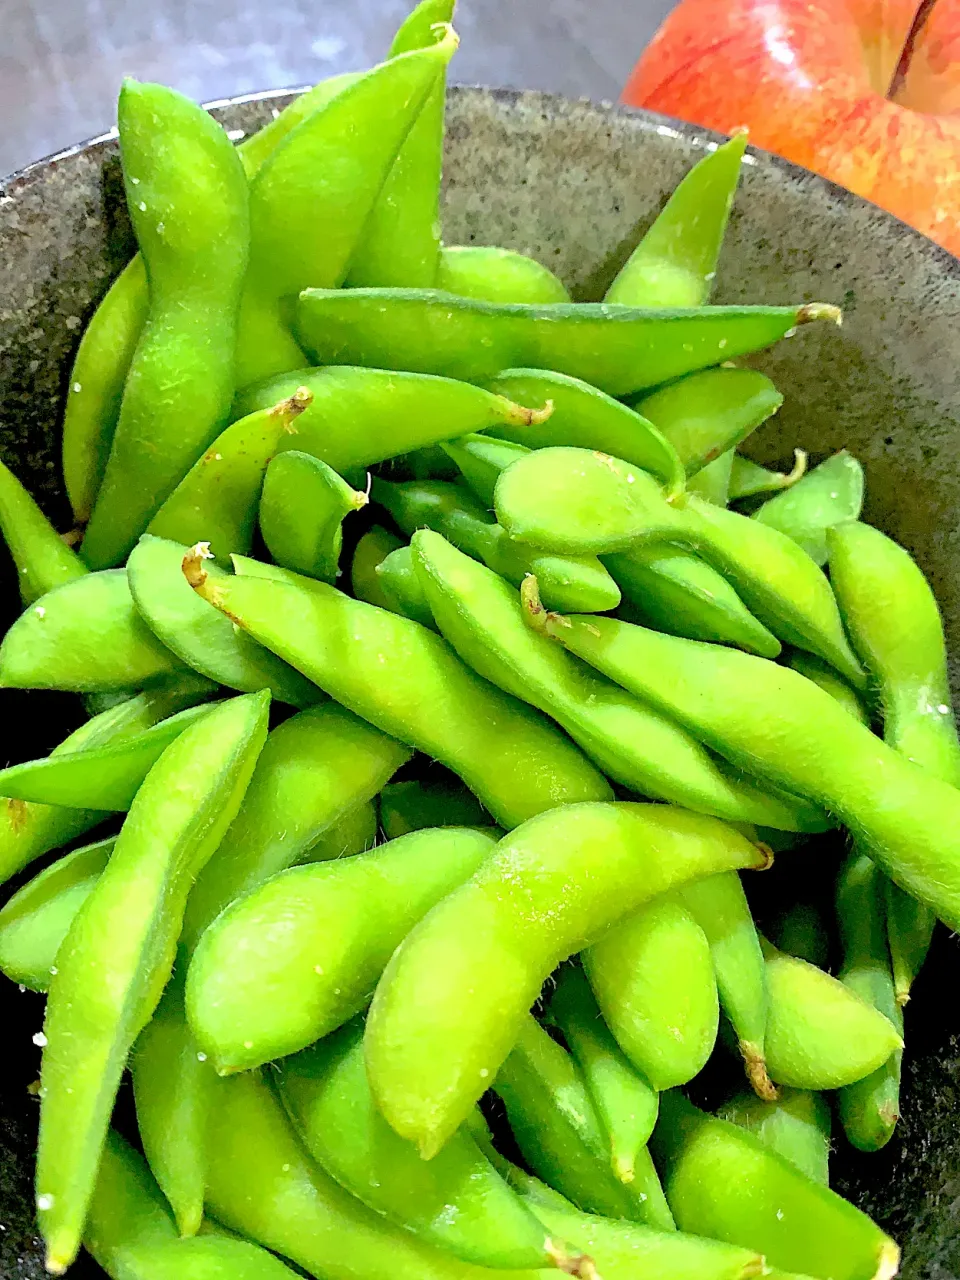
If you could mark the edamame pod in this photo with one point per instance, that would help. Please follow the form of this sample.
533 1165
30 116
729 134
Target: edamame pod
86 636
41 558
654 982
908 820
298 956
822 674
482 618
910 926
172 1084
585 417
449 510
870 1108
492 275
712 483
316 768
187 196
401 589
35 921
362 416
311 198
720 908
355 832
676 261
560 1136
456 1201
372 549
182 810
569 500
216 501
542 896
617 349
407 682
437 801
625 1103
106 777
830 494
748 478
480 459
706 415
675 591
725 1183
199 635
796 1125
302 508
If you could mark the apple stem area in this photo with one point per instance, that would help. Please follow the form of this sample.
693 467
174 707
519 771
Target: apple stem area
920 20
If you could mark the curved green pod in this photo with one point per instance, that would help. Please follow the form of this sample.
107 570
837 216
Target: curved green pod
35 921
372 549
314 771
625 1104
302 508
41 558
181 812
830 494
457 1201
480 458
712 483
560 1136
492 275
105 777
676 261
617 349
822 674
188 202
748 478
449 510
199 635
586 418
725 1183
299 955
796 1125
400 587
569 500
432 802
653 979
720 908
86 636
542 896
675 591
216 501
705 415
483 619
312 196
902 815
355 832
407 682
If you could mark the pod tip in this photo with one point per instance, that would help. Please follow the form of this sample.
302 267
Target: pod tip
572 1264
888 1263
819 311
755 1065
623 1167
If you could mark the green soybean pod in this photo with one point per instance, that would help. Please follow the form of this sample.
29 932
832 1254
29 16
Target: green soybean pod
619 350
483 619
870 1108
127 931
492 275
456 1201
201 637
542 896
407 682
315 769
35 921
440 800
480 459
653 979
216 501
41 558
719 906
705 415
748 478
302 508
830 494
299 955
724 1182
355 832
712 483
560 1136
400 588
625 1103
676 261
796 1125
372 549
86 636
172 1089
822 674
189 207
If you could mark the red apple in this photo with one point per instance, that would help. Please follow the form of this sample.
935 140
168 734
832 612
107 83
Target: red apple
865 92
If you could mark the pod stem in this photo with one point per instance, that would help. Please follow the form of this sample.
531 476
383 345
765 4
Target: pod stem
819 311
519 416
292 407
198 578
799 468
756 1067
623 1168
572 1264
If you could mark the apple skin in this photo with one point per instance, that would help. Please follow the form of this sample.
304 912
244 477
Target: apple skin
810 79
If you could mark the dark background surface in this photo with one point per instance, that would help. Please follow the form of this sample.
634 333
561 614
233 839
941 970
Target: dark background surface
61 60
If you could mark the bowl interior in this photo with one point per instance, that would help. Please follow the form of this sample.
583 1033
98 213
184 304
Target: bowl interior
573 184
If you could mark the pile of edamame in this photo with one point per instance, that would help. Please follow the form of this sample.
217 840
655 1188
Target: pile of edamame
448 678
